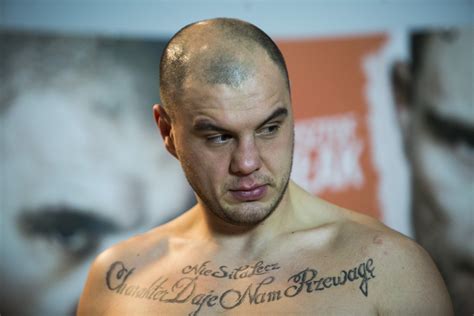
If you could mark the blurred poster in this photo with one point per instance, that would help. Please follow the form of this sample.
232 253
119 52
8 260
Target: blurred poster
404 155
83 165
434 93
347 146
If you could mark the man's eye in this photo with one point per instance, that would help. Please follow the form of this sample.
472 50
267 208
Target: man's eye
219 139
450 131
268 130
78 233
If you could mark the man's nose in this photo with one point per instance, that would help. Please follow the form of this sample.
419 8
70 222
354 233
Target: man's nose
245 157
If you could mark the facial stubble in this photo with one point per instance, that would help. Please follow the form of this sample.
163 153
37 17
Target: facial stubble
245 213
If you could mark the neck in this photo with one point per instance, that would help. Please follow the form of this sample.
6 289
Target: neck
243 237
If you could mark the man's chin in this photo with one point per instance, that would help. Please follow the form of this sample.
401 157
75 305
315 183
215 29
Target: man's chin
247 214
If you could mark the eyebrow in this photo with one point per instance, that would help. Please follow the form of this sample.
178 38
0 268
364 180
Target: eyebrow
278 113
206 125
449 130
46 218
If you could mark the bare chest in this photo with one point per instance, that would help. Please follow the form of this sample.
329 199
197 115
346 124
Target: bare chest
251 289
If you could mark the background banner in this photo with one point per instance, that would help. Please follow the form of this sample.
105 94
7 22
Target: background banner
83 165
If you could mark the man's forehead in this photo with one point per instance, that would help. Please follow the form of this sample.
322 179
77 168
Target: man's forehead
67 155
447 86
253 96
451 54
238 121
68 131
223 106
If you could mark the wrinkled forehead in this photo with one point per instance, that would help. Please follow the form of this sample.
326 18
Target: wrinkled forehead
225 108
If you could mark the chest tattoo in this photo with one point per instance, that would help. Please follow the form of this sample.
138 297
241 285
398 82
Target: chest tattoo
260 284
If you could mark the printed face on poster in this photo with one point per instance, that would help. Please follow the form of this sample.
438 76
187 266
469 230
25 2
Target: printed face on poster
85 167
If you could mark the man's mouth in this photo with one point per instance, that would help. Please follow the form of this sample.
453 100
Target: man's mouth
248 194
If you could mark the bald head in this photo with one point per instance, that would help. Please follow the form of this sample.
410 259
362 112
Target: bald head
217 51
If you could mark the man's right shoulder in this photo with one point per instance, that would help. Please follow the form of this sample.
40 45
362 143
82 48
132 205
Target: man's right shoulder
135 250
114 262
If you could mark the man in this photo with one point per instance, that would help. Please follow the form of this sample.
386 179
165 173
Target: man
255 243
435 102
79 167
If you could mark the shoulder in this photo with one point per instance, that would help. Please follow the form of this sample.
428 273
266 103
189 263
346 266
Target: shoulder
407 280
410 276
114 265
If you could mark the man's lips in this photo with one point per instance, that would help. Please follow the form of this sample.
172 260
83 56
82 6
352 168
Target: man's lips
245 194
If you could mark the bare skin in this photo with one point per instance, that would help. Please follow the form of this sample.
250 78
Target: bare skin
256 243
320 236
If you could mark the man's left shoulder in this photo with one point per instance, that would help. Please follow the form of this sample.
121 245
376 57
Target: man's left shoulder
408 281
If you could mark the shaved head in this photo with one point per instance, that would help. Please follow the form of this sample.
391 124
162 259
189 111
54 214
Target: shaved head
217 51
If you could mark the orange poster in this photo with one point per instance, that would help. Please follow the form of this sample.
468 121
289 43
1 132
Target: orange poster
333 151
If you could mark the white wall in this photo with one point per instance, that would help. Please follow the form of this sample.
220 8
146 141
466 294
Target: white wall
146 18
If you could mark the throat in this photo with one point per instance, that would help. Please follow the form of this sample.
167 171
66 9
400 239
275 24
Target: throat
242 240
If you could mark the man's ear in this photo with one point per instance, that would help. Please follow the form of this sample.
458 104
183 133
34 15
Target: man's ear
402 85
163 122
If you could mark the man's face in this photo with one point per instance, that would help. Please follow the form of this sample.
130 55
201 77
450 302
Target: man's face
235 144
441 143
78 177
